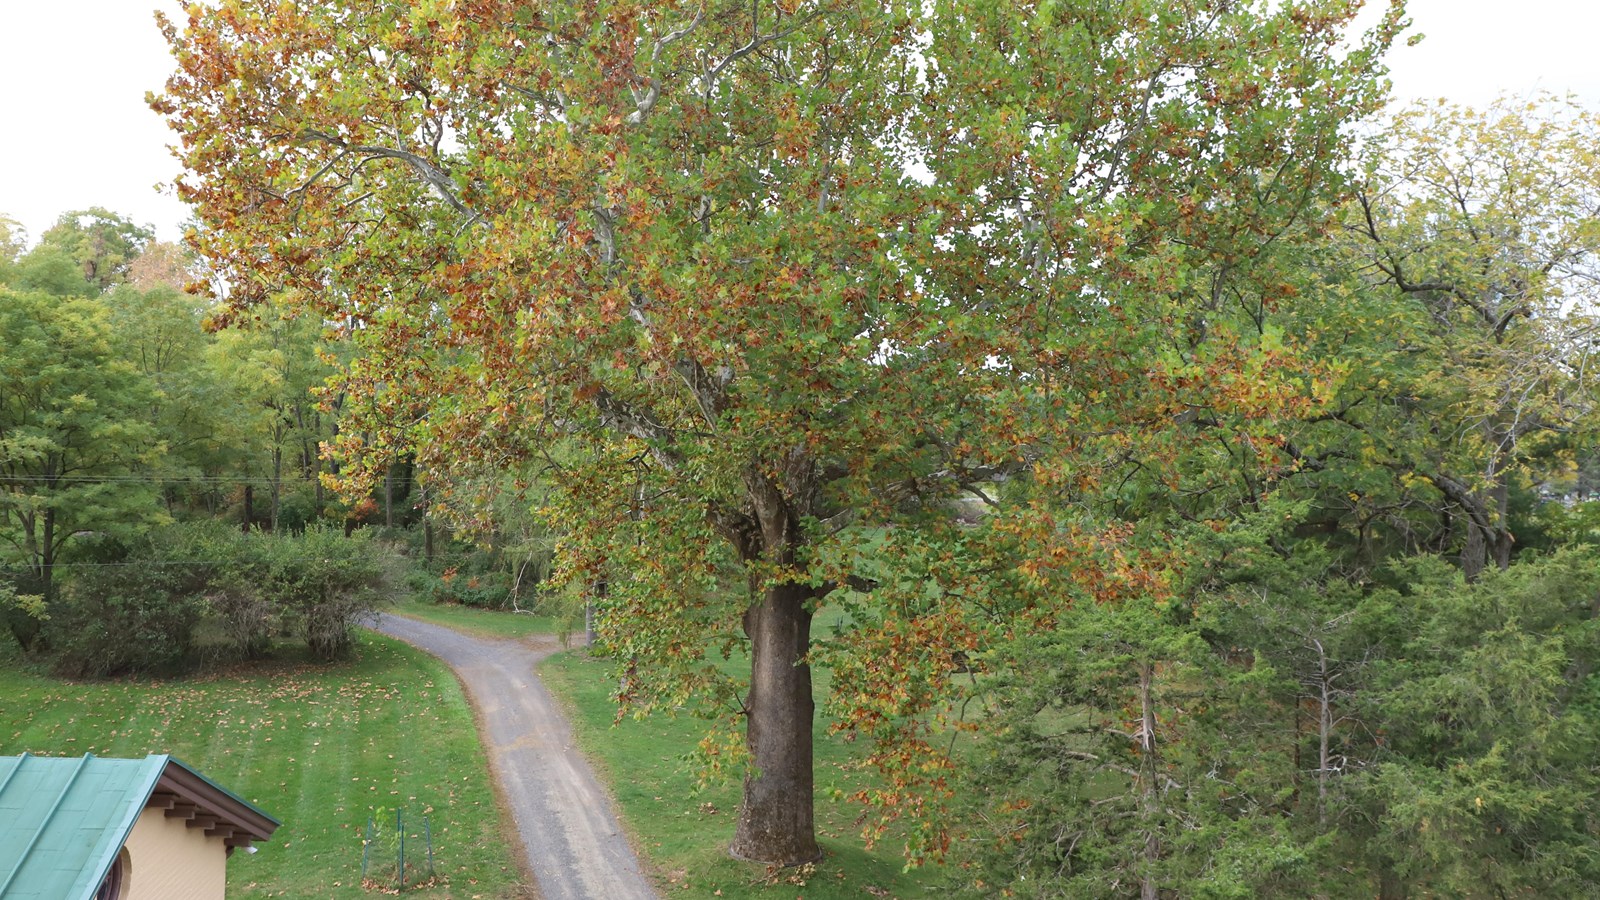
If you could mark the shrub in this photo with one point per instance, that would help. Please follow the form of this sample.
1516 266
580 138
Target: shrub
482 576
128 612
321 584
135 608
314 585
297 508
23 614
487 590
215 561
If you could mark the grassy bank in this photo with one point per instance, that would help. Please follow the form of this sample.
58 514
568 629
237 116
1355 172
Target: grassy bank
685 833
318 747
490 623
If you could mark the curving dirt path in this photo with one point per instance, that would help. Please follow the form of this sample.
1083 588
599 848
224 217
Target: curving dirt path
575 848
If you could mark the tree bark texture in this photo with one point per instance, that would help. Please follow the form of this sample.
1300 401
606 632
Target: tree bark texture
1488 540
277 486
1324 728
47 556
775 820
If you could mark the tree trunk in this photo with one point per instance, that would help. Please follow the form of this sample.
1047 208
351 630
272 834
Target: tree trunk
249 504
314 471
277 484
775 823
42 555
1492 544
1149 773
1390 885
775 820
25 628
1324 729
30 545
1500 548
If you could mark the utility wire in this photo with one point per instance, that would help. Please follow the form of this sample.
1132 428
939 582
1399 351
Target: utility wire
437 557
148 479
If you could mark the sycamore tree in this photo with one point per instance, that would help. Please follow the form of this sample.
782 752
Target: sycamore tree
756 279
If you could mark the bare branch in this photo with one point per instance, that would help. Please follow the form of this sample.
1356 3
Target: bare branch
756 42
645 101
436 177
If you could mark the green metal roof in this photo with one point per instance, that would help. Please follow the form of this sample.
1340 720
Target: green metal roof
62 821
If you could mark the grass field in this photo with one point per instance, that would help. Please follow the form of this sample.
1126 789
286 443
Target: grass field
480 622
318 747
685 833
322 747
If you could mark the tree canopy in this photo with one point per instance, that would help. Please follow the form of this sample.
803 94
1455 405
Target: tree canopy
73 426
689 243
119 412
1482 229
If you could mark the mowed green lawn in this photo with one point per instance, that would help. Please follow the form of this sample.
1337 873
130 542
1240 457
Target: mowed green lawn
318 747
489 623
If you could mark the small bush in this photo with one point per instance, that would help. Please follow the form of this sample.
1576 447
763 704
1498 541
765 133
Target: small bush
234 568
296 510
480 576
135 615
487 590
321 584
225 567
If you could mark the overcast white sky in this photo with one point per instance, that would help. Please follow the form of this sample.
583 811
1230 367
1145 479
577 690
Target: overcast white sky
76 132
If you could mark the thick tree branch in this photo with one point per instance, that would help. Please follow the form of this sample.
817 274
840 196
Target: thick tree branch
756 42
621 417
436 178
710 391
644 101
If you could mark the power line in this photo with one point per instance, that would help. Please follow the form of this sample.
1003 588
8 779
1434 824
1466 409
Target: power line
149 479
437 557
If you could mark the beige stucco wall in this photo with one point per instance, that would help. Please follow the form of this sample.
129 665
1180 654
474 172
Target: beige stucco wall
170 861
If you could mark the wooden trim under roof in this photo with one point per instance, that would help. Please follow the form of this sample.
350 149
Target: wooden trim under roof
188 795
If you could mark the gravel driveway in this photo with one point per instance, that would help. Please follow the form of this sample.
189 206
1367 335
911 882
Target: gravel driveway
574 846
